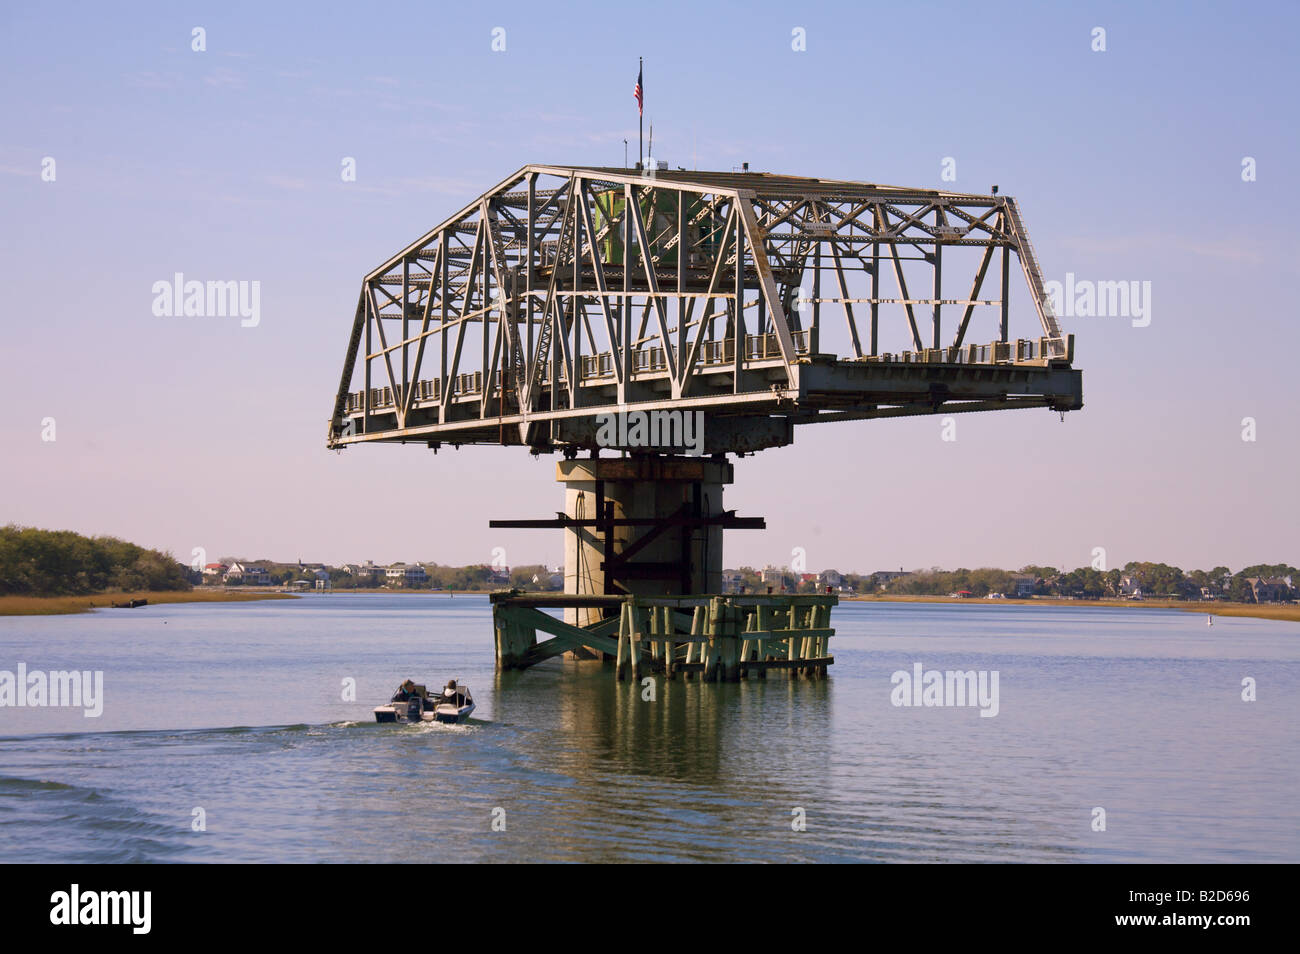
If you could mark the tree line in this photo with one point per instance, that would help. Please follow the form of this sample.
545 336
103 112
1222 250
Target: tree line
63 563
1154 580
532 577
36 562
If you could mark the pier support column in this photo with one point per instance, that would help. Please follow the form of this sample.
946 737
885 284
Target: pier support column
513 644
642 541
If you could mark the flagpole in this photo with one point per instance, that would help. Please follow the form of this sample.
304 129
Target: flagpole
640 118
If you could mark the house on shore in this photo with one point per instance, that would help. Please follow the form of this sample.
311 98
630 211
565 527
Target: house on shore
1269 589
361 572
1023 585
404 574
881 579
247 574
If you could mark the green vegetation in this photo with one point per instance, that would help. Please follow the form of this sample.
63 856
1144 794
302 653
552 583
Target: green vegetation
58 605
461 579
1260 583
482 577
62 563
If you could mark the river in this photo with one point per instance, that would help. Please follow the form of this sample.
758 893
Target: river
227 734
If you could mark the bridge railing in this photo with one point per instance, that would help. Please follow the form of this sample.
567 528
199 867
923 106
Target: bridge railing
718 352
649 359
597 367
768 347
998 352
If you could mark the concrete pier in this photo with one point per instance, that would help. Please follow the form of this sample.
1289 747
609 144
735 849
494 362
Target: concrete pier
649 525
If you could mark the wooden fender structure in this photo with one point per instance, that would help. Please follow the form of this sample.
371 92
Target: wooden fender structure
725 638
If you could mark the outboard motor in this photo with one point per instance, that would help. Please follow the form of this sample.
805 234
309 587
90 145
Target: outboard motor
414 706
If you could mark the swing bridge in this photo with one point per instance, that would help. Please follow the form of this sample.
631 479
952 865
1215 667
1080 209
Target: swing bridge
565 295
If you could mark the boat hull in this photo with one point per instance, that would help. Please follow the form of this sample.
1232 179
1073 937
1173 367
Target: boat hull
451 715
399 714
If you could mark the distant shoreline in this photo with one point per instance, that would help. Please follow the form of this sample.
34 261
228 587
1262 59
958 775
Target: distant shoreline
60 605
1278 611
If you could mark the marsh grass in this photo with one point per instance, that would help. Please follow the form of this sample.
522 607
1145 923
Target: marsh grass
54 605
1282 611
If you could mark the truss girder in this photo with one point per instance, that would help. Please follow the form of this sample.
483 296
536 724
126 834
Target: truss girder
713 266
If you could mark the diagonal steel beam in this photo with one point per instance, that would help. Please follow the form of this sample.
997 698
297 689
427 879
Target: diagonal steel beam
780 324
902 285
652 282
974 293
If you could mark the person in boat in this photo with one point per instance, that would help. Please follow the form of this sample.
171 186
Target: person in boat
449 694
404 691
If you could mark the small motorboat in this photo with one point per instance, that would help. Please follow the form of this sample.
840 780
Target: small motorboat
413 703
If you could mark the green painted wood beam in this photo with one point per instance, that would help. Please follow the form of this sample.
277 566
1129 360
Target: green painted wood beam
546 623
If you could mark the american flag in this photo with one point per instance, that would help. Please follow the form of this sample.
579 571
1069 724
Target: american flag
640 98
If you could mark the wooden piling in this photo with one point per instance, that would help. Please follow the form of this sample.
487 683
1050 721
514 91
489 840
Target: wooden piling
634 639
730 637
624 647
667 628
695 649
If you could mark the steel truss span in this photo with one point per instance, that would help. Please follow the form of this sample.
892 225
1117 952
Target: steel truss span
566 292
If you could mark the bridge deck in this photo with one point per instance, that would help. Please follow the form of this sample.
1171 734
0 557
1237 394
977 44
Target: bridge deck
935 381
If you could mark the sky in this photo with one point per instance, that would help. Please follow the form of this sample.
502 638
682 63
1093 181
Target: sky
1167 157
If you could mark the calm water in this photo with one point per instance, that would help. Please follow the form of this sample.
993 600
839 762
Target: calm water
238 710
